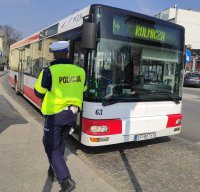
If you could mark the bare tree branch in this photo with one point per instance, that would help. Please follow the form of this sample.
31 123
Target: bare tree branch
12 34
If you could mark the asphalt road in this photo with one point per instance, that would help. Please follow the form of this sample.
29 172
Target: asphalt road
191 114
191 90
164 164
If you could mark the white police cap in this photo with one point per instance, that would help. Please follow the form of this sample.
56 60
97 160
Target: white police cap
60 46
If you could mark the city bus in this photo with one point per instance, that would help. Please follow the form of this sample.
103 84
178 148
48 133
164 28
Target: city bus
134 67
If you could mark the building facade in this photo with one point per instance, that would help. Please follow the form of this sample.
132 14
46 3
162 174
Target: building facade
4 50
190 20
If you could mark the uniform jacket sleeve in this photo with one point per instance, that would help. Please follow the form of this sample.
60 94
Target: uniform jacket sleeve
38 89
43 83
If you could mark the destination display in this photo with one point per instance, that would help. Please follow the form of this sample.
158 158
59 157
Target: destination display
149 33
142 29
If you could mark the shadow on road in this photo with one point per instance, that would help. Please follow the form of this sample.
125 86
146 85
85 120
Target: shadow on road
119 156
48 185
8 115
74 145
131 173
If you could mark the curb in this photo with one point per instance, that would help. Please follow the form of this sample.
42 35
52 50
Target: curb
3 73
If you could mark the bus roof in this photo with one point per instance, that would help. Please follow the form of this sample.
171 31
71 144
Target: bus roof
141 15
70 22
28 40
75 20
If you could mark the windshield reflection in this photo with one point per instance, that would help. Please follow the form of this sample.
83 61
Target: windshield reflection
125 71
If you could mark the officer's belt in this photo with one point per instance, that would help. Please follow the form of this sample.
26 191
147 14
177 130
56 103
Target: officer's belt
73 108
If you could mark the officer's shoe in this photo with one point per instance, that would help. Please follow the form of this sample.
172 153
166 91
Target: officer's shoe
51 175
68 185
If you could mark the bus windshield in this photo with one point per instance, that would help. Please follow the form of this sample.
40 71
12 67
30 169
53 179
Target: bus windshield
136 62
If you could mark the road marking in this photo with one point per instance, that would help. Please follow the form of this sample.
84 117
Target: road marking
191 97
198 143
179 137
192 89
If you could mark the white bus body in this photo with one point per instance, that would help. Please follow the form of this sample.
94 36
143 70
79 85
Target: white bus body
146 107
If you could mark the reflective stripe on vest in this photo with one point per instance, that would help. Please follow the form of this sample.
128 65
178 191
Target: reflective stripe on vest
38 86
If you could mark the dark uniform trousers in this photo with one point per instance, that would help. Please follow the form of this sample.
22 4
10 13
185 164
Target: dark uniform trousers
55 129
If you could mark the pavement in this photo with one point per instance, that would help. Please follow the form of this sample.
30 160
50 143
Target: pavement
3 73
23 162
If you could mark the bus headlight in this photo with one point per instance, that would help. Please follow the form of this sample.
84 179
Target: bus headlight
98 129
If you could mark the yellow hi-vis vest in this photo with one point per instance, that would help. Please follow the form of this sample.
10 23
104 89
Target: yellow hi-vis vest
67 88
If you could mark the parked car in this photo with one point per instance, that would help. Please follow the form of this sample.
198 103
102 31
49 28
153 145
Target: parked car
192 79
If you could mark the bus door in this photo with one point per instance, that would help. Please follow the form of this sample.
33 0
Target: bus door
78 57
21 70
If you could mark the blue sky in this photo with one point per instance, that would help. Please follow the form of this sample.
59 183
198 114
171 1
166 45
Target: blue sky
29 16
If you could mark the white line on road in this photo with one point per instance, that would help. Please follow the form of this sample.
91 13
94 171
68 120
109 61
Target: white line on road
191 88
198 143
185 140
192 99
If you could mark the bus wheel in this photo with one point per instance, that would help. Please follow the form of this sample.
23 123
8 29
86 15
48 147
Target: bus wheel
16 89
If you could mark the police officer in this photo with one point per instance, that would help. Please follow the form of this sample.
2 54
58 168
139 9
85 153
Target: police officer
61 86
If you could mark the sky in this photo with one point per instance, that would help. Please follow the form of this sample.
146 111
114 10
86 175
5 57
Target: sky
30 16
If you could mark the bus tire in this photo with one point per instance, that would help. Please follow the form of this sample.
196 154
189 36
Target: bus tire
16 89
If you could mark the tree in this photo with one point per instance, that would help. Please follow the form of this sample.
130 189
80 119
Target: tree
13 35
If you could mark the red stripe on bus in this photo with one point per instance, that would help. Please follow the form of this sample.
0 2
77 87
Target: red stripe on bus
26 41
28 92
114 126
11 80
31 95
174 120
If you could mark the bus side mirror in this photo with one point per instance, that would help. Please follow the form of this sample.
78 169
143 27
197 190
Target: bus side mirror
89 36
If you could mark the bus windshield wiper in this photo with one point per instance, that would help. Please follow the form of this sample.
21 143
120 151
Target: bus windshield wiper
169 95
112 100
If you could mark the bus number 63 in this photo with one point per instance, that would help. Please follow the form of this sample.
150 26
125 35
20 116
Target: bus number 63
99 111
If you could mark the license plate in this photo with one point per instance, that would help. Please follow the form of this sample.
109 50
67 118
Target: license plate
145 136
